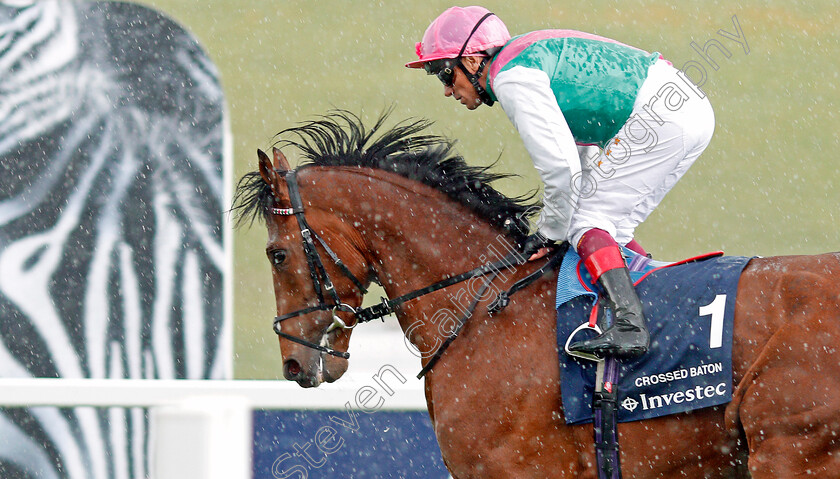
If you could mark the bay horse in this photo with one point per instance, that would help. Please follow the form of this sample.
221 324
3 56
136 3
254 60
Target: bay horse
399 207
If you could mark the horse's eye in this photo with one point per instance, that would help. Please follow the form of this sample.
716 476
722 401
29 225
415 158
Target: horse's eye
277 256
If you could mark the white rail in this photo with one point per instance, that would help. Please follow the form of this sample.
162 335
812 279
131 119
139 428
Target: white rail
203 428
30 392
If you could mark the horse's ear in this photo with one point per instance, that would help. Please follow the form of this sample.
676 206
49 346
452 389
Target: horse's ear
266 170
280 161
272 178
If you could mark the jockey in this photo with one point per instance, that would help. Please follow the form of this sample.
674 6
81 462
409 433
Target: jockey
610 129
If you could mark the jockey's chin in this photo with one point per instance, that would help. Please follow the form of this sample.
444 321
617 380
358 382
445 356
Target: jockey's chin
471 102
473 105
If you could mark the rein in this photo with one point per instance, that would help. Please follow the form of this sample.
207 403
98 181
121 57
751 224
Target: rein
321 282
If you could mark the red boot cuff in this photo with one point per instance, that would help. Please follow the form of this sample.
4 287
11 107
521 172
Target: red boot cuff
603 260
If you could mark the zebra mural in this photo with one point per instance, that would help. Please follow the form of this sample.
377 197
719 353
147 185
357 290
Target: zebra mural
112 257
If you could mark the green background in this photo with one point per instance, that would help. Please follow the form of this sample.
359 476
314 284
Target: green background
767 184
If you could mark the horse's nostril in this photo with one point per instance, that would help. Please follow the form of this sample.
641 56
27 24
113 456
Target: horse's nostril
291 369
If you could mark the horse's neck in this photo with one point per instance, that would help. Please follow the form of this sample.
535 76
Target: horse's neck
416 235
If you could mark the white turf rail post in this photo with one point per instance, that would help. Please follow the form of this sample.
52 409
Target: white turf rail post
208 437
198 428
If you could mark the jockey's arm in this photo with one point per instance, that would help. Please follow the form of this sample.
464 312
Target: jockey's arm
526 97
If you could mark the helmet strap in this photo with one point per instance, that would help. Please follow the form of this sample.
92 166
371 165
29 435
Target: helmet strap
473 77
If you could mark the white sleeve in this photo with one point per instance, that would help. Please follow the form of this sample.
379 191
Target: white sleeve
526 97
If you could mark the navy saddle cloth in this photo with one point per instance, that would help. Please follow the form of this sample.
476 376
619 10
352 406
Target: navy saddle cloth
689 309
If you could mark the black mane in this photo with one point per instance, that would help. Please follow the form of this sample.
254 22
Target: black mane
340 139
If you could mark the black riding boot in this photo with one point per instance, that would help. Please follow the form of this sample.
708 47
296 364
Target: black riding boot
627 337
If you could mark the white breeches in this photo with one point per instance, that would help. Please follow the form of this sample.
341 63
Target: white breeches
671 124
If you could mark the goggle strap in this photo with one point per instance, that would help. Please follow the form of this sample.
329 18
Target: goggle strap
478 24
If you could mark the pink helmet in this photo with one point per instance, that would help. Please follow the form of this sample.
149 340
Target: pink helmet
446 35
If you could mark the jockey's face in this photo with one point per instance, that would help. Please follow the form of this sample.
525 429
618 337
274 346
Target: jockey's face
461 88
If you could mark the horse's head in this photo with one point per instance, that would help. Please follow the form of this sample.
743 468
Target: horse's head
398 200
320 273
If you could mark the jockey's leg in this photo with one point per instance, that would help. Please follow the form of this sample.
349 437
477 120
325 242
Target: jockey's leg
627 336
671 124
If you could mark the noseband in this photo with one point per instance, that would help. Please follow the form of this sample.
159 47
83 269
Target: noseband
321 282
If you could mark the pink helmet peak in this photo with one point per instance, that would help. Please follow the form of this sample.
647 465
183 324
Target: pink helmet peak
448 32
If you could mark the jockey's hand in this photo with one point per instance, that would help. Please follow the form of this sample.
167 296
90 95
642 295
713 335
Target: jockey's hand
536 246
539 254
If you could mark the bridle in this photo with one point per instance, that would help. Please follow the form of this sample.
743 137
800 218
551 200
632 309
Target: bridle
321 282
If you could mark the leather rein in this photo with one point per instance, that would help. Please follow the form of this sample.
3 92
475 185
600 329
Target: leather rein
322 283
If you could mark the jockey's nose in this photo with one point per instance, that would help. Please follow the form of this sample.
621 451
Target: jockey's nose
447 90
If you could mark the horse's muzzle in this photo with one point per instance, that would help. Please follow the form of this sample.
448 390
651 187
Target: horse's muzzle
292 371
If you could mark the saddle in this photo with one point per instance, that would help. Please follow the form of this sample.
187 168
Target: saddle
689 307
